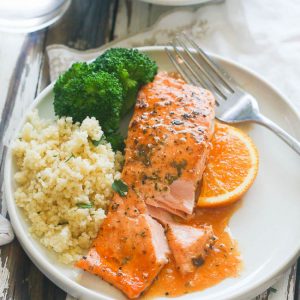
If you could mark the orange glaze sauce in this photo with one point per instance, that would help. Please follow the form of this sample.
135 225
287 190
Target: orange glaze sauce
222 262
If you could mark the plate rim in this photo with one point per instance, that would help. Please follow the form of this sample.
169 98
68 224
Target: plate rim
70 285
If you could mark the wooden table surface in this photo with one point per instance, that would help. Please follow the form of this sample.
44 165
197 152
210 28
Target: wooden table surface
24 73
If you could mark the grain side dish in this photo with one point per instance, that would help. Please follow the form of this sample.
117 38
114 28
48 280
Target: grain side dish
65 175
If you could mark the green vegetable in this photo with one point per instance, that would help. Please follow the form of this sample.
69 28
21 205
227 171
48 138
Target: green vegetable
116 140
105 89
120 187
80 92
131 67
84 205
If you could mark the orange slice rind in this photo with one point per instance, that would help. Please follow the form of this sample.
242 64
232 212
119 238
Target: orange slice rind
231 168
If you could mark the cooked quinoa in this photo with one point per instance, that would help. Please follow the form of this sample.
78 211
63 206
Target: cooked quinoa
64 182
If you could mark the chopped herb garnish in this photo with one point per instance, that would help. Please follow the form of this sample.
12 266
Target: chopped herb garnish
145 177
101 141
170 178
125 260
120 187
69 157
115 206
143 233
179 166
272 290
84 205
144 154
153 176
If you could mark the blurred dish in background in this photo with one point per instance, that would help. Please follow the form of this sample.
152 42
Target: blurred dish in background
30 15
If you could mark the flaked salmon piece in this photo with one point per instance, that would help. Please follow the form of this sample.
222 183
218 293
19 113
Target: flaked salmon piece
160 214
168 142
161 206
188 244
129 252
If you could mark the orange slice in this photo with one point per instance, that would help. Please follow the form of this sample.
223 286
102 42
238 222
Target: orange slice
231 167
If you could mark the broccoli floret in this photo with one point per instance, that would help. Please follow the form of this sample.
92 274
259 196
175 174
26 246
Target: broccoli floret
131 67
82 92
116 140
105 89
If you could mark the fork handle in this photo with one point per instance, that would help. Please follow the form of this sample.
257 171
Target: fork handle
291 141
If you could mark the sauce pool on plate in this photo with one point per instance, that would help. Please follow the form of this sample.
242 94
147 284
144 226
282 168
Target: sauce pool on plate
221 263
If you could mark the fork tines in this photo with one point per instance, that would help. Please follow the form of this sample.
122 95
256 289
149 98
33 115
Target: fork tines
197 68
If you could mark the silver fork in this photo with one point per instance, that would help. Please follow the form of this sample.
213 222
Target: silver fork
233 105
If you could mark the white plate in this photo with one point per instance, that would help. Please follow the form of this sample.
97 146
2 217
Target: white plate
267 226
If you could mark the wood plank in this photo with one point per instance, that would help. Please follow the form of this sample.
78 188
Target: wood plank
11 46
9 53
297 283
136 16
284 289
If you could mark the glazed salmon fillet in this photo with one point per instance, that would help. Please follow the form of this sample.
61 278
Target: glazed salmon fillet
166 149
168 142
